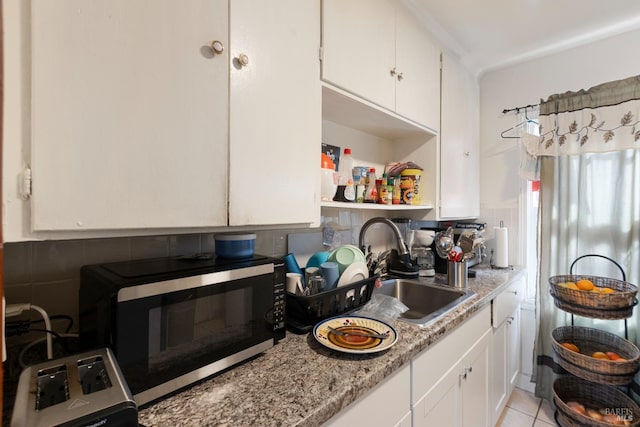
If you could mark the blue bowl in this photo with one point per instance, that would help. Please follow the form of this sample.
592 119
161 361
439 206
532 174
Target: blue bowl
316 259
235 245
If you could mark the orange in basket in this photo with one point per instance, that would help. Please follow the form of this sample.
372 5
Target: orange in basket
585 284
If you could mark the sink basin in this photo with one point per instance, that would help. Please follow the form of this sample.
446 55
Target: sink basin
426 302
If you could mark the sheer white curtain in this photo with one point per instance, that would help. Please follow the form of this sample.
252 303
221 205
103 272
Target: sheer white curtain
589 204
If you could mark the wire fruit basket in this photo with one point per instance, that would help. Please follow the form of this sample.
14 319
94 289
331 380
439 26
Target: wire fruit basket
617 304
588 341
606 400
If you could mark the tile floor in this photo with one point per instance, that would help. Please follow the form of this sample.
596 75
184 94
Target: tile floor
525 410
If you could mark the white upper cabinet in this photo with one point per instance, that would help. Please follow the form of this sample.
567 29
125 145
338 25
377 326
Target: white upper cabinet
377 50
358 48
129 114
275 112
459 143
185 114
418 68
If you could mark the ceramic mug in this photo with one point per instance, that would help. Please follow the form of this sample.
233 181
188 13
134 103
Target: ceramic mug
294 283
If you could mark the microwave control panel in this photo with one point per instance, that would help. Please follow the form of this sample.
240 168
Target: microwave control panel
279 327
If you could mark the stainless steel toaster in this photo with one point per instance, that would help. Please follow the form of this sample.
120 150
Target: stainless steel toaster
86 389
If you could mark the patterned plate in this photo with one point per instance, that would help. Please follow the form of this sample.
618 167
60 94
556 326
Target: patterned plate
353 343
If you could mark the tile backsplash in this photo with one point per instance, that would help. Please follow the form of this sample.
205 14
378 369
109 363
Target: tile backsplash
47 273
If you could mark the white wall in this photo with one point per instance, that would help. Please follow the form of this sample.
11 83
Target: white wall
500 186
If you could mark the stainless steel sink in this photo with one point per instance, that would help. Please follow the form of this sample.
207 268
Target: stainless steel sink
426 302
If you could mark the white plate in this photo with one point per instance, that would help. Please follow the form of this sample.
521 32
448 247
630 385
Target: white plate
353 344
354 273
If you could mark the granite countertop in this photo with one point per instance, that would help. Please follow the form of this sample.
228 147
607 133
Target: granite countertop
299 382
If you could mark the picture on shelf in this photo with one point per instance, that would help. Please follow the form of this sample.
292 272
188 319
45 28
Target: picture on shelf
333 152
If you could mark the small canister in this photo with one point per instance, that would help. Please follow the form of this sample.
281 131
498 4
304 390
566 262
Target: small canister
410 186
360 189
396 197
360 175
383 192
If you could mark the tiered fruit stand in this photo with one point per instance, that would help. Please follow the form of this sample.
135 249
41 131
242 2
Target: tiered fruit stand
595 383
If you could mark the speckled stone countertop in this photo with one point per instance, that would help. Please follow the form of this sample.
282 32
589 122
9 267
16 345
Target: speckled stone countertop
299 382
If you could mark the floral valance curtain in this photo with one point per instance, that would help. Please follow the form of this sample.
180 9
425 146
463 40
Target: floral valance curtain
601 119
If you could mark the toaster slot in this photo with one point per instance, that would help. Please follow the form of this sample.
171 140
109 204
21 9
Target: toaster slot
93 375
52 386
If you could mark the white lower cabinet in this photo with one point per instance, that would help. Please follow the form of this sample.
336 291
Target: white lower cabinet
385 405
446 385
457 393
505 347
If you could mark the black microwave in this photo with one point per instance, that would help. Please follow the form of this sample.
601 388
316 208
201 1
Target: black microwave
173 321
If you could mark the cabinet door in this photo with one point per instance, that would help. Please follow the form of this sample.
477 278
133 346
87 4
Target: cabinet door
275 112
505 347
440 405
475 385
358 48
388 404
459 143
513 348
129 114
499 382
418 67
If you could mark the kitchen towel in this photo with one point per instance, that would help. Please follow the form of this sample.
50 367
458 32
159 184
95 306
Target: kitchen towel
502 247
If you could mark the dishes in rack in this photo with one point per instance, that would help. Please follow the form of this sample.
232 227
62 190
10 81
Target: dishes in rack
353 273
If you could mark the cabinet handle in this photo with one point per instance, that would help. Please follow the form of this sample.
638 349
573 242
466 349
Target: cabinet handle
514 292
243 60
467 371
510 319
400 76
217 47
393 71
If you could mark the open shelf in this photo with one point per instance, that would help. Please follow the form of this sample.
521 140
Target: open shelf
375 206
340 106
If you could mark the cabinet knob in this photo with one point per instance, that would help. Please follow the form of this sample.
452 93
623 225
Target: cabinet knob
400 76
243 60
217 47
393 71
466 372
467 153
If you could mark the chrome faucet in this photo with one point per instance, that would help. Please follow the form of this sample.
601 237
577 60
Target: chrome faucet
399 260
402 247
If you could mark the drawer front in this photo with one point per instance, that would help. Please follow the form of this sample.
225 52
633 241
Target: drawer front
508 300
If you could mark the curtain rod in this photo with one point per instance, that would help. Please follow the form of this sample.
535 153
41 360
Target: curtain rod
517 109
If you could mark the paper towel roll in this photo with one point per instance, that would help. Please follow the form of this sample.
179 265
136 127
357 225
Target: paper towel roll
502 247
